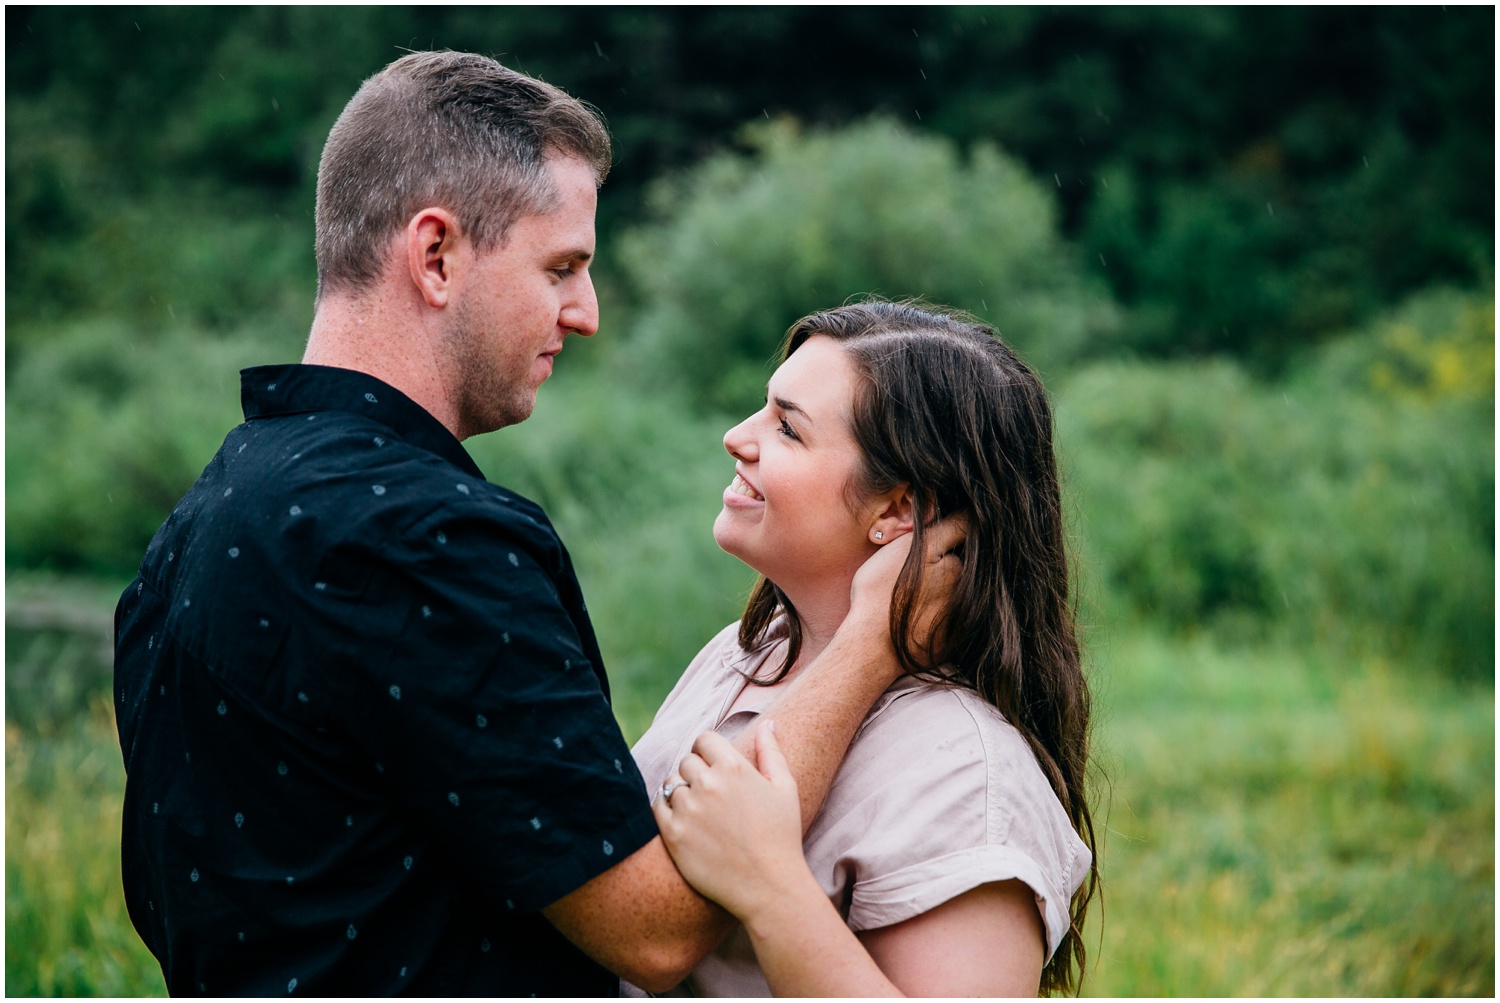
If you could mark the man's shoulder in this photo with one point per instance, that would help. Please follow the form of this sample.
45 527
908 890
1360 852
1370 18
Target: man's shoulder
360 477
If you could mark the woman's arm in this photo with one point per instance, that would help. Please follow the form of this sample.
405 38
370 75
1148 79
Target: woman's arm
735 833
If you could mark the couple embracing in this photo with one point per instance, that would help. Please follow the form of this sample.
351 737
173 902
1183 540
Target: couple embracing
365 722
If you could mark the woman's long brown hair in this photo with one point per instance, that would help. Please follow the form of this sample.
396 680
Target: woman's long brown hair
943 405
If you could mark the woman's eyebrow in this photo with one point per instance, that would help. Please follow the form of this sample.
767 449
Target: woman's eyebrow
787 405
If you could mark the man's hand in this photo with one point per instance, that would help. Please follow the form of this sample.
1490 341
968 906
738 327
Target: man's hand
874 584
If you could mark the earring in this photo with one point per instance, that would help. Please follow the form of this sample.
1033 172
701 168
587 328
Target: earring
879 535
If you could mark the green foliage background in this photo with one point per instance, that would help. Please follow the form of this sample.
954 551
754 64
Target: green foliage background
1246 247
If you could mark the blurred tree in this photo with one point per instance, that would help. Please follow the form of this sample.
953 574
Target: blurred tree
747 244
1246 179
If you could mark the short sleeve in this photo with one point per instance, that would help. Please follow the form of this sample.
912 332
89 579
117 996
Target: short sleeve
937 796
474 687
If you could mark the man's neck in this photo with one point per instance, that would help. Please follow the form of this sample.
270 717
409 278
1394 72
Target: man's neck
374 333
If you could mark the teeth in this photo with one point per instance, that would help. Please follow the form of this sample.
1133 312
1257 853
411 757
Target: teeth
740 487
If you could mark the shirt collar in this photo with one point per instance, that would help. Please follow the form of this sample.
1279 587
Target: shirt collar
268 391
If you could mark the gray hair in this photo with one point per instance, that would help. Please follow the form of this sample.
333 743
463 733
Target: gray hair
449 129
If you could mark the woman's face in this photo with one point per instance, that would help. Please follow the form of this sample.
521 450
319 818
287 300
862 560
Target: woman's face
786 513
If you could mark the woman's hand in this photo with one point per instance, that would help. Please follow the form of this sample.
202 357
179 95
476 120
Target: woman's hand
734 828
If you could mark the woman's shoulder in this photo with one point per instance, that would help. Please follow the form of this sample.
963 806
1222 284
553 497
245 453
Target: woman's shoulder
939 794
949 743
943 716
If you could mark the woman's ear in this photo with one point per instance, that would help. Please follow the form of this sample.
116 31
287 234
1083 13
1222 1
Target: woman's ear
892 515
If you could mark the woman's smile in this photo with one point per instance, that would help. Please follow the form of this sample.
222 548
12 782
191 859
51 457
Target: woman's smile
740 488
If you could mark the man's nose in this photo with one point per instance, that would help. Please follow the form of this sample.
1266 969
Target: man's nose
581 312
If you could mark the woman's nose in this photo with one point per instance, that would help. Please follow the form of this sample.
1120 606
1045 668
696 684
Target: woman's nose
740 443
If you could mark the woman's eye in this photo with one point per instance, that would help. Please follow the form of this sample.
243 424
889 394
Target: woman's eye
787 430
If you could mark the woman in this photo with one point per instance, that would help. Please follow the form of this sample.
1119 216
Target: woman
954 853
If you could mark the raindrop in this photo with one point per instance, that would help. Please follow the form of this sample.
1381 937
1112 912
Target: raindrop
371 398
239 820
406 862
453 798
234 551
483 722
351 933
281 768
395 692
379 489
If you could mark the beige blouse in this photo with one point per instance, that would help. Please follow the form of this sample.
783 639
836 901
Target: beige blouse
937 795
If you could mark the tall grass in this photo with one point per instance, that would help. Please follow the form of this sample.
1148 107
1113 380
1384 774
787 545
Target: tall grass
1276 822
1285 823
66 929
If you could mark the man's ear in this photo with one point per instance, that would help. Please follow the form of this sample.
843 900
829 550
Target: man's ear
435 247
893 515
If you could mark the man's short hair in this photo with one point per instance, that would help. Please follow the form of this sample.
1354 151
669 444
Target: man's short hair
449 129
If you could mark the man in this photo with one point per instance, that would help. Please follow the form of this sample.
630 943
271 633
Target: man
363 714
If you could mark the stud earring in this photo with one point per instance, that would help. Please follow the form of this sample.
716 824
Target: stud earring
879 535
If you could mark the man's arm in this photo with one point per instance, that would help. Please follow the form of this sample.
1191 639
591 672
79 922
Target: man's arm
640 918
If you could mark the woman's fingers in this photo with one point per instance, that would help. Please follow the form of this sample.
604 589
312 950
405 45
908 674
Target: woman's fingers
768 756
713 748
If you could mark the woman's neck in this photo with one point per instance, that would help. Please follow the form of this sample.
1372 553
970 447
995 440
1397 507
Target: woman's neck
821 612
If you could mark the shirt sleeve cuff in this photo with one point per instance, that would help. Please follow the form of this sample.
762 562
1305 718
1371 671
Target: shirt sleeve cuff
911 891
581 863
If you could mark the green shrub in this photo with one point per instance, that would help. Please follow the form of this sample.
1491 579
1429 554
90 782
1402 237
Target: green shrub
106 428
746 245
1336 505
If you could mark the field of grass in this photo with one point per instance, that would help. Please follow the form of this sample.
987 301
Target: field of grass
1277 822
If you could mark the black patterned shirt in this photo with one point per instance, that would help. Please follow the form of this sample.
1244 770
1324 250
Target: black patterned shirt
365 722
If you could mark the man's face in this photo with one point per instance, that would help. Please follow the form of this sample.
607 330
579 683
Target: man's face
520 302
